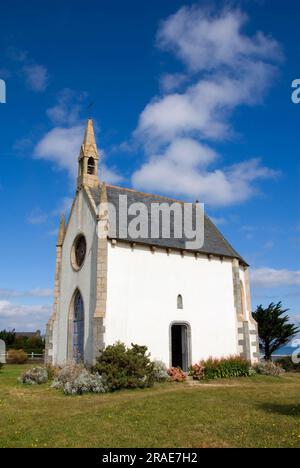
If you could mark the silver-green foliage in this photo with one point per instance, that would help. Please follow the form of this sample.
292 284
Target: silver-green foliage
160 371
269 368
75 379
34 376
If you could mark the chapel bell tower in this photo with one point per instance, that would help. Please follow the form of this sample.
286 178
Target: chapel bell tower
88 159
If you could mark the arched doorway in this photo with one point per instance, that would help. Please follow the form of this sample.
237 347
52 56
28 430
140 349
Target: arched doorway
78 328
180 345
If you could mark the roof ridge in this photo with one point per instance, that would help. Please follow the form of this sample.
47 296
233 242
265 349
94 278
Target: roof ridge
147 194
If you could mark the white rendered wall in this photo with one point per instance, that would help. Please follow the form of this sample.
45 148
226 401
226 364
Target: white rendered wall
142 301
81 221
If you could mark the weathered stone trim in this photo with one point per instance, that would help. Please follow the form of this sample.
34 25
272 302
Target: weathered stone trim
254 330
237 289
246 329
102 263
247 345
49 338
90 200
248 295
98 336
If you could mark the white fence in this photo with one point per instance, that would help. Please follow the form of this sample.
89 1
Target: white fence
31 356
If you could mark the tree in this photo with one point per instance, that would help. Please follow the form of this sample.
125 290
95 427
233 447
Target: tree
36 342
274 328
8 336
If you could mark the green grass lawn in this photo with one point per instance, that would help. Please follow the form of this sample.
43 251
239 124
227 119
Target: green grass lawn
250 412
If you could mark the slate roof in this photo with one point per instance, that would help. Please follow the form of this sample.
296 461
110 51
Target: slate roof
214 242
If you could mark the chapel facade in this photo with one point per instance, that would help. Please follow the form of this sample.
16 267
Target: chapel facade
183 304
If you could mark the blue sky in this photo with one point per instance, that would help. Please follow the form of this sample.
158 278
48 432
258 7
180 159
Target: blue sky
190 100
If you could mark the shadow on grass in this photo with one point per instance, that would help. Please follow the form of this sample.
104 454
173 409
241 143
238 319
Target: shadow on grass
285 410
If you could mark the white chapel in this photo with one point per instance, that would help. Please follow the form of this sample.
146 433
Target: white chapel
183 304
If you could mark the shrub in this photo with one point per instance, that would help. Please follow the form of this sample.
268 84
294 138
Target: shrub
252 372
52 371
17 356
69 372
75 379
160 372
288 365
232 366
176 374
197 371
125 367
1 366
36 375
268 368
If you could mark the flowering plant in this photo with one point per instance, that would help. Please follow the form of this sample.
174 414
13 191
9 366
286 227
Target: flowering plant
177 374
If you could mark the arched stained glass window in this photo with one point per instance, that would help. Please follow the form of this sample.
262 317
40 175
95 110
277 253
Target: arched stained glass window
78 328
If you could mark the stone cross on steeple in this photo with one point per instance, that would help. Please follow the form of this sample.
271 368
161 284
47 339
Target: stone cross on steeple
88 159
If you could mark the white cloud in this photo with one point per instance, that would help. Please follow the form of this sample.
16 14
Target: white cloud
53 232
40 292
109 175
219 221
22 145
226 69
23 317
36 77
63 207
171 81
204 107
66 111
272 278
61 146
181 170
37 216
36 292
205 41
